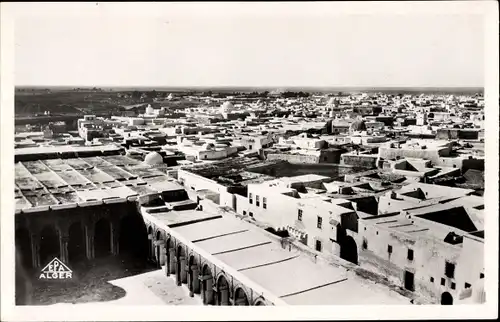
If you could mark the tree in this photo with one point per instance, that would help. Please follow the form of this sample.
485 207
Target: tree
136 94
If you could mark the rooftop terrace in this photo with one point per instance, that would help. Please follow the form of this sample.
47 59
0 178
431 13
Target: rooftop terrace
65 183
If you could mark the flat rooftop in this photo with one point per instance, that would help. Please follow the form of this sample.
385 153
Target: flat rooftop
287 274
65 149
65 183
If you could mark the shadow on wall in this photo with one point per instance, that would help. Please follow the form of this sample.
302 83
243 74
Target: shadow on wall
90 282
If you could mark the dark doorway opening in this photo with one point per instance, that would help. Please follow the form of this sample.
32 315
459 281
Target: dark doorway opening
206 286
349 250
23 247
102 238
409 281
133 239
49 245
446 299
76 244
222 291
241 298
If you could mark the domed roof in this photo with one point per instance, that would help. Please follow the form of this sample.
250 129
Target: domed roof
153 158
227 106
358 125
208 146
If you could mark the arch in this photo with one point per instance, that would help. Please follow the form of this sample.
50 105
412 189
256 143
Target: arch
133 239
49 244
206 285
259 302
76 243
349 250
240 297
222 290
102 239
23 247
446 299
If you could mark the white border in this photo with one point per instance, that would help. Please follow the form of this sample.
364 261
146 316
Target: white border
106 312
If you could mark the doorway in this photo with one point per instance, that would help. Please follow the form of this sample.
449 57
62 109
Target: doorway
409 281
446 299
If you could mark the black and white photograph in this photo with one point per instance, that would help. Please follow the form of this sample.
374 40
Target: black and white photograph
329 157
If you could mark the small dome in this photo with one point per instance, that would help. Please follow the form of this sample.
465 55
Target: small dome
227 106
153 158
358 125
208 146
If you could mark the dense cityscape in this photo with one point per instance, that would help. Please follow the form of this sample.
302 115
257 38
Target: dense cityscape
251 197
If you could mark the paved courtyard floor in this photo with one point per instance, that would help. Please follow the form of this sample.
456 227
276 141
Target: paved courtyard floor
112 280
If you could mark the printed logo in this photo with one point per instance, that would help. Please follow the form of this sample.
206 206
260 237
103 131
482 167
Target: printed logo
56 270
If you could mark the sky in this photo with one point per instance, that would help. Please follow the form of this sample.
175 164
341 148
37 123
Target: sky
323 50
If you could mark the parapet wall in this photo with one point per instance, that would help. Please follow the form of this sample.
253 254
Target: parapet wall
368 161
293 158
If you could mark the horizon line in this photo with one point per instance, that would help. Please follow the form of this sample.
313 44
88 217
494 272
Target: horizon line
248 86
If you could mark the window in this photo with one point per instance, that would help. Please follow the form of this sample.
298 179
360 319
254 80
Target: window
320 222
249 147
250 200
449 270
481 275
467 285
318 245
443 281
453 286
251 214
299 217
244 213
410 254
432 279
264 202
389 249
257 202
365 243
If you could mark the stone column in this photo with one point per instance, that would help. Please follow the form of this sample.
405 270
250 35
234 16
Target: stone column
196 281
183 270
167 262
178 271
203 288
150 247
209 292
63 248
162 255
115 238
35 250
89 241
172 260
